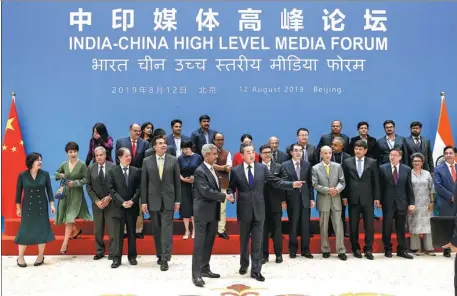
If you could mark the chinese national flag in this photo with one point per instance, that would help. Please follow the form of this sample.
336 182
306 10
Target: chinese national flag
13 162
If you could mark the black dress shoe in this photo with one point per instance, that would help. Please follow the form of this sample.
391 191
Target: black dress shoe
39 263
210 274
369 255
278 259
326 254
243 270
447 253
164 265
99 256
115 264
159 261
307 254
357 254
342 256
404 255
265 260
133 261
258 276
21 264
223 235
388 254
293 256
198 281
139 235
110 257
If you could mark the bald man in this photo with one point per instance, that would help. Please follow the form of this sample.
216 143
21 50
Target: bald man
277 155
328 180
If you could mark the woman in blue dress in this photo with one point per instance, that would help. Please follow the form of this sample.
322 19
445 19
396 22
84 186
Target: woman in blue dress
35 228
188 162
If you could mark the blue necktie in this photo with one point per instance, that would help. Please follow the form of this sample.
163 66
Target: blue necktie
359 167
250 177
126 177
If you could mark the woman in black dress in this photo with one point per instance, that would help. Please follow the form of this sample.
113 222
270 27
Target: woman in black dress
35 228
188 162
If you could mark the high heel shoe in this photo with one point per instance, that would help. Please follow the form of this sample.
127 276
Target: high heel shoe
21 264
79 233
63 252
39 263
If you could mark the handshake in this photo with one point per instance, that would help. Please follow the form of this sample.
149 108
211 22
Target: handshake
230 197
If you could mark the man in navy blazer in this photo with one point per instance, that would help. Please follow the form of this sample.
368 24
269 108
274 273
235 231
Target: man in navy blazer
203 135
135 144
445 179
176 138
248 180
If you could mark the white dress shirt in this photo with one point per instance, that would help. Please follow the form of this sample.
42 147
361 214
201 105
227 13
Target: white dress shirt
268 164
449 167
398 168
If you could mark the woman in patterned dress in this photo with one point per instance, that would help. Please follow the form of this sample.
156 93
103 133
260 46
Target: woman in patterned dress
419 220
73 206
35 228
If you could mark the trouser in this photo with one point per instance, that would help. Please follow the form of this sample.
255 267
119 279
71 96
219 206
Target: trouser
337 225
223 218
415 242
139 223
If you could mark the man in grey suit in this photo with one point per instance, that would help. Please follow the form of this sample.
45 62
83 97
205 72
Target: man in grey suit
98 190
328 180
208 197
161 195
249 179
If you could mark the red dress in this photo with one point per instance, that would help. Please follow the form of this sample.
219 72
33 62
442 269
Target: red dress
238 159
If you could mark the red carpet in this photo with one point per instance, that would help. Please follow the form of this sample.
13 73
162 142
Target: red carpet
85 244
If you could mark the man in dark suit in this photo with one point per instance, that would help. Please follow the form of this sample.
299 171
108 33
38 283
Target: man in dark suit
397 199
362 190
135 144
249 180
326 140
309 151
362 128
385 144
444 181
203 135
338 156
299 201
417 143
176 138
278 156
102 207
160 196
170 149
207 203
124 185
274 204
137 147
452 245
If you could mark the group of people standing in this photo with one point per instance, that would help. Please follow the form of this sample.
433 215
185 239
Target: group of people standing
158 175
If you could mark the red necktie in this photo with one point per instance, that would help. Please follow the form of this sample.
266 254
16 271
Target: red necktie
133 148
454 175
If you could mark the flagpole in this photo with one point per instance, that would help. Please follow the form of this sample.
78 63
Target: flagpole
442 95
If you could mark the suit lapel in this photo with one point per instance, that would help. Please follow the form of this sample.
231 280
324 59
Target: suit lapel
302 170
242 174
210 175
325 172
389 173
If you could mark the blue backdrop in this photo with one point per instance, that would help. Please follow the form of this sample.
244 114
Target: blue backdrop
60 96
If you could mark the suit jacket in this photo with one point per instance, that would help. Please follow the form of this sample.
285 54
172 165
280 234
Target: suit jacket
372 151
207 196
251 201
198 139
281 156
96 189
362 190
424 148
156 192
171 142
400 196
275 196
141 147
323 182
326 140
383 149
443 184
306 192
121 192
311 152
151 151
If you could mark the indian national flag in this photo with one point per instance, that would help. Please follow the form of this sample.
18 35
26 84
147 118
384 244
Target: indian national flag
443 136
